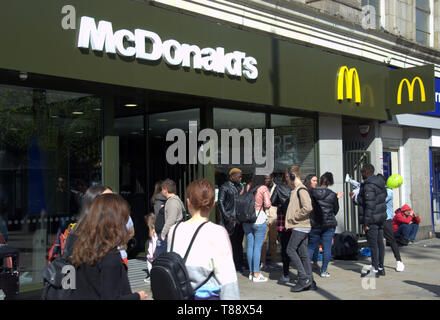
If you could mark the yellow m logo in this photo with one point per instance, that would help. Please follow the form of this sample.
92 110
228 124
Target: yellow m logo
349 76
411 90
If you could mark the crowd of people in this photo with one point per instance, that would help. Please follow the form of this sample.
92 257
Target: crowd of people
299 214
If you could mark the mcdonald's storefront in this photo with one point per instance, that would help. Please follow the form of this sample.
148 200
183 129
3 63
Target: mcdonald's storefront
88 96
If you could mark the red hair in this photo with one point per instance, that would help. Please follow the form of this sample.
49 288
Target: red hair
201 195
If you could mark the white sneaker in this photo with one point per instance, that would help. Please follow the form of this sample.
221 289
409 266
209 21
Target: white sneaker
284 278
251 276
347 178
260 278
400 266
325 274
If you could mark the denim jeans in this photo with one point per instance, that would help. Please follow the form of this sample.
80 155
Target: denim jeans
408 231
323 236
161 245
254 238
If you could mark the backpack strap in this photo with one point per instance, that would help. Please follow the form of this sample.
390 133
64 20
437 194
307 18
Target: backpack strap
192 240
189 248
174 233
206 280
299 198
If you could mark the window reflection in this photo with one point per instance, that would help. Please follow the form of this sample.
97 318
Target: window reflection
50 152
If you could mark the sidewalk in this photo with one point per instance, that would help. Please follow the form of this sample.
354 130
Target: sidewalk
419 281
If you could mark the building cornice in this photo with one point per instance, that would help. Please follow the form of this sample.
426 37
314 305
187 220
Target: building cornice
294 21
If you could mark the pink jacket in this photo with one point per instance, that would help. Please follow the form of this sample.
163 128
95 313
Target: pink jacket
262 196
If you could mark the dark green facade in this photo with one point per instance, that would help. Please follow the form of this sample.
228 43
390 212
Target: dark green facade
290 75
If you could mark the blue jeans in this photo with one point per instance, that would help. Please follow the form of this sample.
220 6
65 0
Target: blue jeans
255 234
323 236
408 231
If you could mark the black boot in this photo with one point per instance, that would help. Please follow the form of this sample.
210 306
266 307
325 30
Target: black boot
301 285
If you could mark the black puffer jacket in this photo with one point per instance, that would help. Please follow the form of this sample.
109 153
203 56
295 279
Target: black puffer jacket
325 208
371 201
280 198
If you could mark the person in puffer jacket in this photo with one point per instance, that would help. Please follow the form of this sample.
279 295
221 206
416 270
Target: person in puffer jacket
325 208
372 215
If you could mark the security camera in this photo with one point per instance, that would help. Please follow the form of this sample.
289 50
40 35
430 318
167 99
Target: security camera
23 75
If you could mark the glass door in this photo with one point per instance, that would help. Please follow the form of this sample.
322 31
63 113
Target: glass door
160 167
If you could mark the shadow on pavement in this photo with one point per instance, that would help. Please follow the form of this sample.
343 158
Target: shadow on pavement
276 274
430 287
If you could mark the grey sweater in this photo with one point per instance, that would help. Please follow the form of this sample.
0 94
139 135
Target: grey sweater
174 210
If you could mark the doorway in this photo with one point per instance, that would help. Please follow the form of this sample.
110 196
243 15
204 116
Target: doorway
435 187
159 124
390 167
141 125
353 162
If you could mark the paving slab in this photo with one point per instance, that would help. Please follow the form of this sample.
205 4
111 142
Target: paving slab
419 281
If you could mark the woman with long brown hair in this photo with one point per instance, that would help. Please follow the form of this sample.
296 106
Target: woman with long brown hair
100 272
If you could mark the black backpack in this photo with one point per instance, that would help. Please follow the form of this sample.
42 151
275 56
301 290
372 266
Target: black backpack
345 246
160 220
53 275
244 206
169 277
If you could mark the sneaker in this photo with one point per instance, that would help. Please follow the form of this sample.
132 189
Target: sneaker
284 278
347 178
400 266
313 287
147 280
302 285
375 272
260 278
251 276
381 272
325 274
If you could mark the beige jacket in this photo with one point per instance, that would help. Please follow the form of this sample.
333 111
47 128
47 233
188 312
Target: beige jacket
296 216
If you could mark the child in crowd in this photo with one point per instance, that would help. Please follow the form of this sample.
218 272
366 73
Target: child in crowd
152 235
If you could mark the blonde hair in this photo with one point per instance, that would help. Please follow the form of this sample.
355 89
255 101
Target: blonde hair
151 220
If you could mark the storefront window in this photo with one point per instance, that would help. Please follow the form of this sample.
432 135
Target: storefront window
240 120
294 143
50 153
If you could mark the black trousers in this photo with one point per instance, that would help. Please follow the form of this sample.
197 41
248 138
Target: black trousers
284 237
237 245
298 252
389 236
375 242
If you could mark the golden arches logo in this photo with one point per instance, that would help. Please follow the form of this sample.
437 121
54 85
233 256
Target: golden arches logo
350 76
411 90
